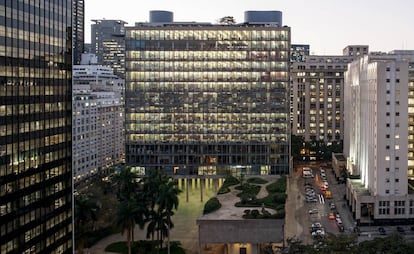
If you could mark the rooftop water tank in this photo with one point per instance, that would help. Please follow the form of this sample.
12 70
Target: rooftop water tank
266 17
161 17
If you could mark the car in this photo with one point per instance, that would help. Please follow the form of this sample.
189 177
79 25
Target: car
400 230
339 221
381 230
332 206
337 216
331 216
322 170
326 183
316 225
312 200
318 232
323 175
313 211
323 188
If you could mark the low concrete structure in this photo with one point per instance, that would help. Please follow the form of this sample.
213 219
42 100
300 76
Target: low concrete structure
238 235
227 231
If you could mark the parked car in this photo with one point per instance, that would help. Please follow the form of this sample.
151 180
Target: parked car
331 216
332 206
381 230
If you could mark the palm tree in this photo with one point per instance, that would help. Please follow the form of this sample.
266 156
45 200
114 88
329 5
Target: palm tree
126 183
125 219
86 210
167 201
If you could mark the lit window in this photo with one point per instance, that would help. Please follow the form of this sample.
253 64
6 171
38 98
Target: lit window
387 158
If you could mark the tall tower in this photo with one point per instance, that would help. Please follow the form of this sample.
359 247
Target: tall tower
377 138
108 44
35 126
207 98
78 30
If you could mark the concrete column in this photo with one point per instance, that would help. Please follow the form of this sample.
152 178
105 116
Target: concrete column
201 190
186 189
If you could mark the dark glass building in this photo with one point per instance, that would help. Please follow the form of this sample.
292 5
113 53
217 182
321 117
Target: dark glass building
78 30
35 126
208 99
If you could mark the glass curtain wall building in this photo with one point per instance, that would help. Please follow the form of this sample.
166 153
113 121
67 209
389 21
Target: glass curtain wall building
208 99
35 126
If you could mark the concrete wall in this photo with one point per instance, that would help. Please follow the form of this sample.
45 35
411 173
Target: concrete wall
240 231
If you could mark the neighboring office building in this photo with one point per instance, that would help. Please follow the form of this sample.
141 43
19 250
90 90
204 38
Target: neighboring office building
35 127
108 44
376 141
317 90
208 99
78 30
98 118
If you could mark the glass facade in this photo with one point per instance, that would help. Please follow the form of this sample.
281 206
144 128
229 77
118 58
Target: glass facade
35 126
208 99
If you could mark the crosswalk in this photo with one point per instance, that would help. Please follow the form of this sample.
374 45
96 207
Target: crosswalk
321 199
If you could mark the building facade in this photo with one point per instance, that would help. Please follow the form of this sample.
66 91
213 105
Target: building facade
35 126
299 52
355 50
208 99
108 44
317 97
78 11
376 142
98 120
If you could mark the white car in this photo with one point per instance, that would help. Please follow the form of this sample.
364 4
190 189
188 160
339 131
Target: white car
318 232
312 211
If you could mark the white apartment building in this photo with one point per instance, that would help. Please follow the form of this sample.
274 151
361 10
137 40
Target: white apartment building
98 120
317 91
376 137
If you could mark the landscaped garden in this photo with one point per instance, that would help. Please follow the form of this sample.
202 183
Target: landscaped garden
248 191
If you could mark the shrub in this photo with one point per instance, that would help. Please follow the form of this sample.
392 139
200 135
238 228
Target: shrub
278 186
229 181
280 198
211 205
257 180
254 213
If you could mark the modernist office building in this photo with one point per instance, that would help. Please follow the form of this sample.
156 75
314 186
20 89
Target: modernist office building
98 119
35 126
207 99
108 44
378 102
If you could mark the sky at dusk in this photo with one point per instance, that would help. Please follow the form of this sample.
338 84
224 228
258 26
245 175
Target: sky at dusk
327 25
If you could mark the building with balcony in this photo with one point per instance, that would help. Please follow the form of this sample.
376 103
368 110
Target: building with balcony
97 121
35 127
208 99
377 142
